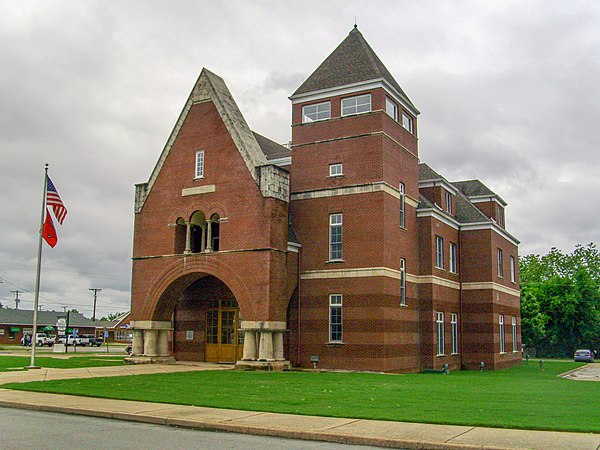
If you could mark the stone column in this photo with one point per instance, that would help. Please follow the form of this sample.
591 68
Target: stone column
265 350
137 347
278 346
150 341
203 239
249 345
188 238
163 343
209 236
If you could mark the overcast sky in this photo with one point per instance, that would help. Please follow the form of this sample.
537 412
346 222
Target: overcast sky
509 92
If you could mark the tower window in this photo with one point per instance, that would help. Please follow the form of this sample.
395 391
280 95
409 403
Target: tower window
391 108
448 202
319 111
407 122
356 105
335 237
402 205
336 170
439 252
335 318
402 282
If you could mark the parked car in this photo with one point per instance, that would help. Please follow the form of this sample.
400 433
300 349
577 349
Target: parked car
90 339
41 339
70 340
584 356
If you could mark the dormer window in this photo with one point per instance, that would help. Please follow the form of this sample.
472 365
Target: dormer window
336 170
407 122
356 105
319 111
448 202
391 108
500 216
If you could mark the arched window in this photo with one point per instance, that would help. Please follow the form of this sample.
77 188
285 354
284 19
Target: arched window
198 232
215 225
180 236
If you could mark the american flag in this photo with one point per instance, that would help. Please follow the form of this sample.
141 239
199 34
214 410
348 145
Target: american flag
53 199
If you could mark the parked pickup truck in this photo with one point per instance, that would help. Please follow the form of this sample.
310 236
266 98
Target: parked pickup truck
91 340
41 339
70 340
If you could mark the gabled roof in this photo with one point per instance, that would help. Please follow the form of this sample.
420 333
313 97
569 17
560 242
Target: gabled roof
211 87
271 149
44 318
475 188
353 61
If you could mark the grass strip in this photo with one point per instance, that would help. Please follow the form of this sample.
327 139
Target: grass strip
12 363
522 397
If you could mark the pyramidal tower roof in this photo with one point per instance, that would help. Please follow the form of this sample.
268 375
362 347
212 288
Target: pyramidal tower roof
353 61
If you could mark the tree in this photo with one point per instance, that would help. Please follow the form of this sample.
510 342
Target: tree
111 316
560 300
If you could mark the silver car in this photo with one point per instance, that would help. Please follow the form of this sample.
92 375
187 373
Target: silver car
584 356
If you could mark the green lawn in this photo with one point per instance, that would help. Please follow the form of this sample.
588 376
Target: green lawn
522 397
12 363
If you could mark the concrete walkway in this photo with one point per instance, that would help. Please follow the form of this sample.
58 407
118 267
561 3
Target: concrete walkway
351 431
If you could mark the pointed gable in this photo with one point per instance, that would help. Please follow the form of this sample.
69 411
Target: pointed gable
211 87
353 61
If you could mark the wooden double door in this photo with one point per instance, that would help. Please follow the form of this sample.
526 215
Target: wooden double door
224 342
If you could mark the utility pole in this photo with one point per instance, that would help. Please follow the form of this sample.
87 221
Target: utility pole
96 290
17 299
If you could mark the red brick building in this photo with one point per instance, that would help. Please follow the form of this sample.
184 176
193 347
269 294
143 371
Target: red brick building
342 248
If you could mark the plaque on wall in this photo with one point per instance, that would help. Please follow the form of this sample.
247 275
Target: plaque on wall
189 335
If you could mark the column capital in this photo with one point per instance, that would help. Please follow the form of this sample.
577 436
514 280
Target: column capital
267 325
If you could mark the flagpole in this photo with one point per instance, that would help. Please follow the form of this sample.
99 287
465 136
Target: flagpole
38 273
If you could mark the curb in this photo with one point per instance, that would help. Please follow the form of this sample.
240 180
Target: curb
324 436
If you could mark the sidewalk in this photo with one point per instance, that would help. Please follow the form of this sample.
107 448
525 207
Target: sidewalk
350 431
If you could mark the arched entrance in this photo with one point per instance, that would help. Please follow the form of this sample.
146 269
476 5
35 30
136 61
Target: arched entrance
206 323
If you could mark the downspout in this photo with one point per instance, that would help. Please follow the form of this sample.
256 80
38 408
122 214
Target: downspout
460 298
298 315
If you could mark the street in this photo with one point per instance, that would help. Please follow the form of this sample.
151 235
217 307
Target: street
21 429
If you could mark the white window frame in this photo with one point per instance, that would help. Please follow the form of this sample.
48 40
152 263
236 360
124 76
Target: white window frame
336 170
439 252
500 258
500 213
448 202
513 275
402 282
316 112
502 342
454 332
356 105
335 222
514 334
440 333
199 164
391 108
407 122
401 189
335 304
453 258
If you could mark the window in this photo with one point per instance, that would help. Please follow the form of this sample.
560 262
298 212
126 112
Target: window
312 113
335 237
440 332
500 214
439 252
403 282
407 122
200 164
454 332
402 205
501 322
356 105
514 334
391 109
335 318
453 261
513 276
335 170
448 202
500 263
